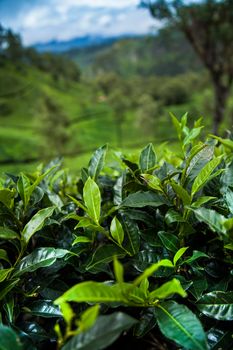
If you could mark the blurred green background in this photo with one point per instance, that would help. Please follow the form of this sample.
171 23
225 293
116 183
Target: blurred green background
118 92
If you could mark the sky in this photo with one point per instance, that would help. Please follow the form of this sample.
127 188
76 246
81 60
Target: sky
40 21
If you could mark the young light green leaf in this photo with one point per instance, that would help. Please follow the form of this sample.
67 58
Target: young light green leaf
67 313
92 199
179 324
88 318
4 255
226 142
204 175
147 158
167 289
7 197
4 273
151 270
81 239
92 292
7 233
36 223
153 182
118 270
117 231
177 125
202 200
196 255
179 254
97 162
181 193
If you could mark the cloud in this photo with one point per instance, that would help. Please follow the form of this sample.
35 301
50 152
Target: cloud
42 21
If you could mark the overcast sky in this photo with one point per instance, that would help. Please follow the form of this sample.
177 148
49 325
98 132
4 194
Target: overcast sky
45 20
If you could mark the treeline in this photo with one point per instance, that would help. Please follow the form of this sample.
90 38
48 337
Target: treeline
12 51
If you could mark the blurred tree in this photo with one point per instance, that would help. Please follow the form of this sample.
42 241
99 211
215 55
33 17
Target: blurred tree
208 26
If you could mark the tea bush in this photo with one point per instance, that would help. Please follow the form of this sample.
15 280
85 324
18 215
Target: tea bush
142 251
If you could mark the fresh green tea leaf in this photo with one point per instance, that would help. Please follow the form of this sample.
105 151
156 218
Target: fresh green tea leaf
167 289
179 254
117 231
204 175
92 199
36 223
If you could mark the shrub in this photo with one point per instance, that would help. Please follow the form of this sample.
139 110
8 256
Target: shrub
144 250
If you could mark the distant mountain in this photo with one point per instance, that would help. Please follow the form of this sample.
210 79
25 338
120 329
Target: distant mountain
76 43
166 54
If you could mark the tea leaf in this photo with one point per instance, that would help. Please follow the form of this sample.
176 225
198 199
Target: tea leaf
9 339
218 305
204 175
179 254
36 223
167 289
169 240
104 332
142 199
40 257
92 292
179 324
92 199
97 162
116 230
147 158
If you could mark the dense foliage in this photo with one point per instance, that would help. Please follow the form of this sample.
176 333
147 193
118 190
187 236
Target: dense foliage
135 250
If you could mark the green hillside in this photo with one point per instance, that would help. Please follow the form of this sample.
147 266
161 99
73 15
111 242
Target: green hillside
165 54
48 110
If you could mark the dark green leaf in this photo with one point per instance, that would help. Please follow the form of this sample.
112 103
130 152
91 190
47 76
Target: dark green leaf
132 235
44 308
40 257
7 286
104 255
36 223
9 340
142 199
210 217
104 332
169 240
218 305
179 324
147 158
97 162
